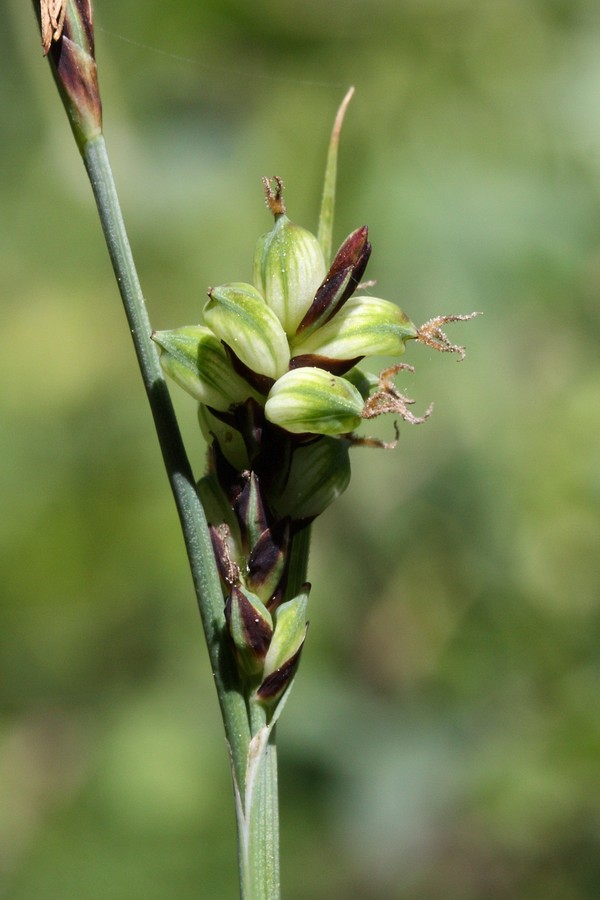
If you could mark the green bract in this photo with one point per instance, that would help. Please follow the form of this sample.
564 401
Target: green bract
227 437
319 473
289 633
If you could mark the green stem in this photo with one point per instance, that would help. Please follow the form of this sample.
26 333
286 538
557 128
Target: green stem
262 881
193 522
258 810
298 566
258 815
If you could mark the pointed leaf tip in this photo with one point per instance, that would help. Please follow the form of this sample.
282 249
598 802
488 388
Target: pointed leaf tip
325 232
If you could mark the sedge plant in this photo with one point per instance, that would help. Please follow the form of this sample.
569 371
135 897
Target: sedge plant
274 368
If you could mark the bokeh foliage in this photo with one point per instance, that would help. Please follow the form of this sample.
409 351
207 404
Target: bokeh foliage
443 738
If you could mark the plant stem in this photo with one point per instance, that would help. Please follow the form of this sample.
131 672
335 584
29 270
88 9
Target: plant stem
251 739
299 553
262 870
258 809
191 515
249 728
258 815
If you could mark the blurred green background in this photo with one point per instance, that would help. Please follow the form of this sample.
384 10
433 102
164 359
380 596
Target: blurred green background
443 739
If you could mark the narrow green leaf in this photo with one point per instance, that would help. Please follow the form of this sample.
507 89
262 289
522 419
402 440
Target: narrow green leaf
325 232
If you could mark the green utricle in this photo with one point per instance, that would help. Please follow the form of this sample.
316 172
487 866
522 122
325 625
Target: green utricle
313 400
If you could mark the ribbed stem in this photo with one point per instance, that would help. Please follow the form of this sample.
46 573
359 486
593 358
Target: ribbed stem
258 820
262 882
